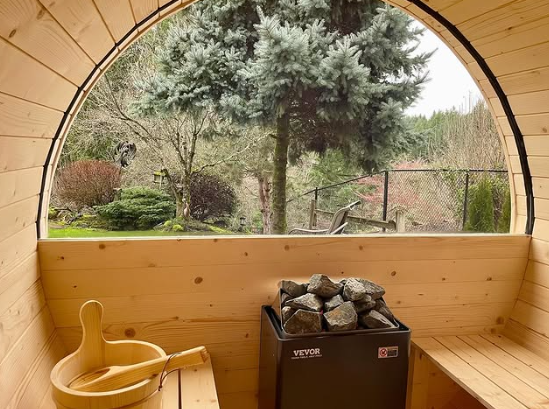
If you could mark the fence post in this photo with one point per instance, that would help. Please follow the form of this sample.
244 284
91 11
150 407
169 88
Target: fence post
400 221
465 200
385 197
312 214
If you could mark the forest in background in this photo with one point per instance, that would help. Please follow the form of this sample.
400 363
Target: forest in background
216 170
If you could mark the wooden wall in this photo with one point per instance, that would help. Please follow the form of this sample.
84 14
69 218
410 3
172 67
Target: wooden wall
53 51
181 293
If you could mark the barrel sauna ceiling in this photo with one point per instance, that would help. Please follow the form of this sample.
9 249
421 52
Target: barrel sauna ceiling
53 51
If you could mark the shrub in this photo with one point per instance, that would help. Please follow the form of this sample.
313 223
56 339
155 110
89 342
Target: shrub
481 208
211 196
88 183
138 208
504 222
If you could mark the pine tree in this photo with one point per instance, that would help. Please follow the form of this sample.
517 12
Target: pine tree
325 74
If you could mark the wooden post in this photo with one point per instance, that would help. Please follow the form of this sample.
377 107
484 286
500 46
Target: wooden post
312 214
400 221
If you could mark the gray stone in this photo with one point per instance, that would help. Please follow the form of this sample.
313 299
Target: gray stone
285 297
342 318
333 302
309 302
372 289
364 304
323 286
304 322
373 319
382 308
292 288
354 290
287 312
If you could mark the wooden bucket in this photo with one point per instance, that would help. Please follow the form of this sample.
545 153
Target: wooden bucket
95 352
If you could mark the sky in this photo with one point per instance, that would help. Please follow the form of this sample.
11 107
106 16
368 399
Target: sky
450 84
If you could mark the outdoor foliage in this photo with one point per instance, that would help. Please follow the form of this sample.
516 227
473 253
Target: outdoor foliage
504 221
481 208
87 183
139 208
323 74
211 196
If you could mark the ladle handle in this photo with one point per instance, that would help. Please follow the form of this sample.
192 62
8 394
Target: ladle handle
92 348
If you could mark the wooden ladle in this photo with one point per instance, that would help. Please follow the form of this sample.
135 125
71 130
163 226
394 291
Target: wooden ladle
105 378
115 377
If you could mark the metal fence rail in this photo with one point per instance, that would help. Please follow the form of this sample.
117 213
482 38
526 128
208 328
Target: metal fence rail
430 200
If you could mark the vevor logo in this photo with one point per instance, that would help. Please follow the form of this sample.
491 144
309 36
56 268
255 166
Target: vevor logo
306 353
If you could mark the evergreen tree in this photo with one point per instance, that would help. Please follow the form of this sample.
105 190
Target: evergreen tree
324 73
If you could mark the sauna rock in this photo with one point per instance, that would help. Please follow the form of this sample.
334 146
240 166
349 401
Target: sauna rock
345 305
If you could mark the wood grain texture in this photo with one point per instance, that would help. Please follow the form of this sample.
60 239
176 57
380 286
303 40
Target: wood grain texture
143 8
19 185
83 22
117 15
17 216
22 153
27 25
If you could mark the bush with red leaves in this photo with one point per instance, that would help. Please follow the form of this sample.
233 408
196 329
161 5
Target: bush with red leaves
88 183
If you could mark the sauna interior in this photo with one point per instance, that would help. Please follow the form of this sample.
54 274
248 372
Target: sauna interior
478 305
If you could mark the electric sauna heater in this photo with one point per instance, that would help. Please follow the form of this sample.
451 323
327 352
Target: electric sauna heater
362 368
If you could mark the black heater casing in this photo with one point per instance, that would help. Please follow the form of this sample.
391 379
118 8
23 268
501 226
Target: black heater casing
361 369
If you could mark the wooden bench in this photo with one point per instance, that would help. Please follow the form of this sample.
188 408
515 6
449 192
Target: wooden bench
496 371
192 388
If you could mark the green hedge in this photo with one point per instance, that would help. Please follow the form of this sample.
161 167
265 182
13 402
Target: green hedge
139 208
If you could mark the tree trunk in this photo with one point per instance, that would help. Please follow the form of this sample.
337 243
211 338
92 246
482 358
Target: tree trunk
264 185
183 200
279 175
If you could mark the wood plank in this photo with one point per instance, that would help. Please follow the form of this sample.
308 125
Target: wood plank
117 15
84 23
537 145
17 216
539 251
531 317
541 187
524 355
518 180
539 166
469 378
18 317
247 303
534 124
521 205
241 400
26 24
513 38
535 295
525 59
36 386
61 284
514 164
17 248
129 253
525 81
542 208
492 370
26 78
500 22
511 145
16 282
143 8
22 153
509 363
528 338
20 358
465 10
22 118
19 185
537 273
530 103
541 229
197 389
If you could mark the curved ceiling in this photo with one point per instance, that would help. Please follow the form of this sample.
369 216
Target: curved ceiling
53 51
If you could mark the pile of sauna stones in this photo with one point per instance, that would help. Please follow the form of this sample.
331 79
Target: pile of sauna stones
326 305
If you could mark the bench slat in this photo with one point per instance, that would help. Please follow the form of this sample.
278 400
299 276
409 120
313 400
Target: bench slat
470 379
519 369
197 389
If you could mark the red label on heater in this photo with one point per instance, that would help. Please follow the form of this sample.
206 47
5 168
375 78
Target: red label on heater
387 352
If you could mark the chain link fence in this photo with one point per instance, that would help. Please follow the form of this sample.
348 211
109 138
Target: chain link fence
427 200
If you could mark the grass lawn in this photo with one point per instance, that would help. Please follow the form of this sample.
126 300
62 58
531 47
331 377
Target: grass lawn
71 232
